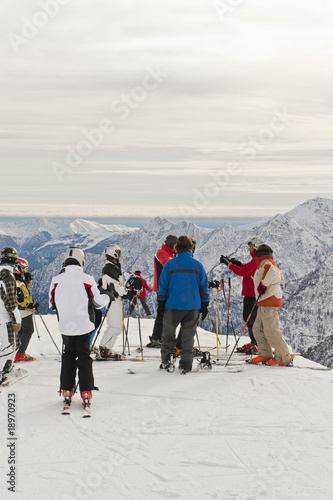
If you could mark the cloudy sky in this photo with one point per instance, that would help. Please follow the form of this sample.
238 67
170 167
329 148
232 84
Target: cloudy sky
210 108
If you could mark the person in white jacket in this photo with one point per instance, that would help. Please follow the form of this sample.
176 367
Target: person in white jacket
74 295
267 283
10 319
112 277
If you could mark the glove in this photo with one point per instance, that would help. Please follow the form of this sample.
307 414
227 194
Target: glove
236 262
161 307
261 288
109 290
213 284
204 310
224 260
16 327
32 305
28 276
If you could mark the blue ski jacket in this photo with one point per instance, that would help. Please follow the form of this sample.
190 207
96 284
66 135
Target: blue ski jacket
183 283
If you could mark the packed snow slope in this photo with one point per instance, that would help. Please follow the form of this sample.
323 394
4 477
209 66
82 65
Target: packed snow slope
261 433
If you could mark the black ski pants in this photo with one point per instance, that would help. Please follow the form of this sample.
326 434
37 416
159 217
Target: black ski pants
143 303
247 306
76 354
171 319
158 327
27 329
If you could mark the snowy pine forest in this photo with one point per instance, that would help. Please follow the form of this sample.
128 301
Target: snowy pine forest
302 240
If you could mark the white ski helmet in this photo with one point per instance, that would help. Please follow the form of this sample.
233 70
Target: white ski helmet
255 241
113 251
76 254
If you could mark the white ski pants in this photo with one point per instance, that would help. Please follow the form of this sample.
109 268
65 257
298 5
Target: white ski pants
114 324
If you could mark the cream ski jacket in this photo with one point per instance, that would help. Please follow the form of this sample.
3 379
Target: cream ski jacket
269 275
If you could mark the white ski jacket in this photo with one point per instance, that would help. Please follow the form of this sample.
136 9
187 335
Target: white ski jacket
74 295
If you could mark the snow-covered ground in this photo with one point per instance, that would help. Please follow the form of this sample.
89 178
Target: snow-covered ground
261 433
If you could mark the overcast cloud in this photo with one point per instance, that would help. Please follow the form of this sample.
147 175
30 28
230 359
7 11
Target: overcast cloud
164 107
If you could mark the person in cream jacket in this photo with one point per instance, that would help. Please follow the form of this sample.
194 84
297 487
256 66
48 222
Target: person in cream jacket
267 284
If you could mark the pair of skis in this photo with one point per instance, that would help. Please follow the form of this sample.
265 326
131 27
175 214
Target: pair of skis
86 408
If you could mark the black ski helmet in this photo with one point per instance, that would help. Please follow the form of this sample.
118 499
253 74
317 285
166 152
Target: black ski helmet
170 240
8 255
135 283
264 250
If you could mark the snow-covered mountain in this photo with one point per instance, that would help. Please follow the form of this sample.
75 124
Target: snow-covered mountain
321 352
301 239
40 240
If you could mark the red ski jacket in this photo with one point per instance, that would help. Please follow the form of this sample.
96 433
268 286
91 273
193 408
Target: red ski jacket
161 257
247 272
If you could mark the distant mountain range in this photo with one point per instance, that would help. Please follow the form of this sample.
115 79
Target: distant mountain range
302 240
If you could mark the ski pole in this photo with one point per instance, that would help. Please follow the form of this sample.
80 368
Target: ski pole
126 331
48 331
232 326
211 319
242 331
35 324
139 325
97 334
100 326
216 326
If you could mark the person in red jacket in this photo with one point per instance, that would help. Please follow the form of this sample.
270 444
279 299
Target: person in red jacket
165 253
246 271
142 296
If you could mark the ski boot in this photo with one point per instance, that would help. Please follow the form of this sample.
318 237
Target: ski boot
169 366
205 362
67 402
154 343
86 397
257 359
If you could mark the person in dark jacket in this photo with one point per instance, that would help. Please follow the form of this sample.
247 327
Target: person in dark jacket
142 296
165 253
27 306
246 271
182 295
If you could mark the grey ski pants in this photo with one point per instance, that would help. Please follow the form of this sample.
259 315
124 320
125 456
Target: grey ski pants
171 319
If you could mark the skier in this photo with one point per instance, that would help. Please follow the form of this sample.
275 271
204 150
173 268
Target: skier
247 272
74 294
178 345
10 319
267 281
27 306
142 296
165 253
182 295
112 277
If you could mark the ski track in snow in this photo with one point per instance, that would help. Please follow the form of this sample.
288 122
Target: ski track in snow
263 433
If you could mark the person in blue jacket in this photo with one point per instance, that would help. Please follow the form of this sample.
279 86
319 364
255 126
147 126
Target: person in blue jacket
182 295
